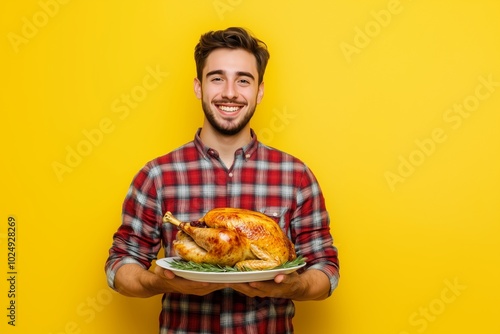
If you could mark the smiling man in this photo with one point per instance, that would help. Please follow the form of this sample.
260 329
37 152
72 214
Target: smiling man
224 166
230 89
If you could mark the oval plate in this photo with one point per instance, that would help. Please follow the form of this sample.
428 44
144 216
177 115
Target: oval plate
225 277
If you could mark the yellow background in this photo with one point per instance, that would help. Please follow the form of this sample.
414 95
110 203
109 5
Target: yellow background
365 92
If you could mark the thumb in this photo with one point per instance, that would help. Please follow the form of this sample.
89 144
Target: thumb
164 273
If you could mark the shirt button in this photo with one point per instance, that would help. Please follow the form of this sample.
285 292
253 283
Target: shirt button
275 214
247 156
230 174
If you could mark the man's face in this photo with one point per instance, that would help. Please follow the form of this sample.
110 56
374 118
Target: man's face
229 89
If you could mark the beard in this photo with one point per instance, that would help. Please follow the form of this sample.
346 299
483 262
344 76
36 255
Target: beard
229 128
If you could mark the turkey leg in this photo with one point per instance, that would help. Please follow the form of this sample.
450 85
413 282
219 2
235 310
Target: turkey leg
218 245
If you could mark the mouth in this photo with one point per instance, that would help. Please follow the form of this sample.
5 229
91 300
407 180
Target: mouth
229 109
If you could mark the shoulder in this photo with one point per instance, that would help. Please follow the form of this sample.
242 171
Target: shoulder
169 161
185 152
276 159
273 154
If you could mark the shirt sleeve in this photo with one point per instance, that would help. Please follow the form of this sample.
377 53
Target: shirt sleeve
138 238
311 226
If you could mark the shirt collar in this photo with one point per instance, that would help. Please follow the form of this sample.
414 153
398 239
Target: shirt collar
246 151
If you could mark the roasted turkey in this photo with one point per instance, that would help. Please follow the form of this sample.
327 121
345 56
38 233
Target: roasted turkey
245 239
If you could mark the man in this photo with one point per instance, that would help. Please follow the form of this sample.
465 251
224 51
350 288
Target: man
224 166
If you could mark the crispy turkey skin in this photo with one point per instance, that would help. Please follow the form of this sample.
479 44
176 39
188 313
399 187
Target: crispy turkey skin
248 240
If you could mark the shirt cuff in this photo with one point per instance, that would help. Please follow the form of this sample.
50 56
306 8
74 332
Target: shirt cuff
112 269
331 272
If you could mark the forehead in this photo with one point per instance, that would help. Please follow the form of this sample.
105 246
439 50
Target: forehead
231 61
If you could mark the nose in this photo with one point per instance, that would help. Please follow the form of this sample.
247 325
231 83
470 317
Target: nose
230 91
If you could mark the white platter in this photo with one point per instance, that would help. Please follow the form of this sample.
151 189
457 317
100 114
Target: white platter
225 277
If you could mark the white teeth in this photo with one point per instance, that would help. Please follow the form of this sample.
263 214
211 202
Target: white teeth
228 109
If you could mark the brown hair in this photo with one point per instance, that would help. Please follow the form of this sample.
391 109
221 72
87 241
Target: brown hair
232 38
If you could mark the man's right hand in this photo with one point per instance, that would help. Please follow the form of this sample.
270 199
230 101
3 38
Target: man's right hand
182 285
134 281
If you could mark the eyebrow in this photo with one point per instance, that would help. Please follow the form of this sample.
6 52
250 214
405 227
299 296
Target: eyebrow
239 73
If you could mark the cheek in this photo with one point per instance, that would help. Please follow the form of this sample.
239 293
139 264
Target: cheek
209 93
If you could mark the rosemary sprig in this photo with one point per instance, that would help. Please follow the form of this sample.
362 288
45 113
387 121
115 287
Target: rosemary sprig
207 267
202 267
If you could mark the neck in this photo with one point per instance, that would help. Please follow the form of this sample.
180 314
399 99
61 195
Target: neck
225 145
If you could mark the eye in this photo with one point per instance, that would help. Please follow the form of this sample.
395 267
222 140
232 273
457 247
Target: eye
244 82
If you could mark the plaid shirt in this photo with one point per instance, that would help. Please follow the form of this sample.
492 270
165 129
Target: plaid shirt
192 180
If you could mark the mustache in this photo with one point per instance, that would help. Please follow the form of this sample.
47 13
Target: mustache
226 101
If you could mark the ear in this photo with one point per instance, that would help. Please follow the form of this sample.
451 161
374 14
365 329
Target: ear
260 92
197 88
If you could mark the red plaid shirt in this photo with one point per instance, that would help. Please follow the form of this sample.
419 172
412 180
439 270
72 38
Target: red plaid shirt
192 180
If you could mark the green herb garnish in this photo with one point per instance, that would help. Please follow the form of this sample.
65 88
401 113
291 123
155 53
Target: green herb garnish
207 267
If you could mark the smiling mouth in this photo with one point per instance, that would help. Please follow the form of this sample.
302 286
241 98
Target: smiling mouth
229 108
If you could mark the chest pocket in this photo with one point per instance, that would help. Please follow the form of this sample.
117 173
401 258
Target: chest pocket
278 214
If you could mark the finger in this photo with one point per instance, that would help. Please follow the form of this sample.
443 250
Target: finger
280 278
262 285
